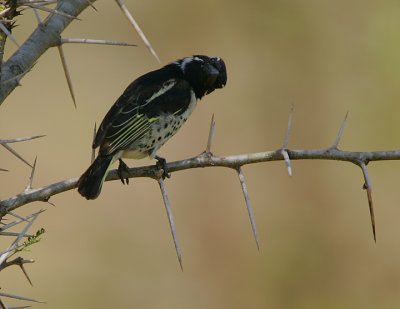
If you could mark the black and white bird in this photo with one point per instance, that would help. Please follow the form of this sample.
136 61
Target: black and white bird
149 112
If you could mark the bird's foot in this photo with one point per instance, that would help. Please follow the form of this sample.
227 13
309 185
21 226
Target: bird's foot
123 172
162 164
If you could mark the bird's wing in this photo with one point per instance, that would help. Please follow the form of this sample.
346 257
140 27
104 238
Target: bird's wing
130 118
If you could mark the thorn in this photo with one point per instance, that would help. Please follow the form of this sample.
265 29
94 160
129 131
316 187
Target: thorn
8 33
38 19
20 297
170 220
248 205
368 187
53 11
137 28
339 135
93 41
91 4
286 142
29 186
66 72
287 161
25 273
211 135
19 139
289 128
10 149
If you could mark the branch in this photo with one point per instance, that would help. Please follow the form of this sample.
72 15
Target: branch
203 160
46 35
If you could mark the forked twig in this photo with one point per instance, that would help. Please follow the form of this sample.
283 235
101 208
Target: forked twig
170 220
248 205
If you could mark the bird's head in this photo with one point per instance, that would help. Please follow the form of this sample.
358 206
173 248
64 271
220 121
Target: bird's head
204 74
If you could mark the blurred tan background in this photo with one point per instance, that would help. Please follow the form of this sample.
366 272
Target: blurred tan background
317 250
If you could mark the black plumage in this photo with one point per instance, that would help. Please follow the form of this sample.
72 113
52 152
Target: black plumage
149 112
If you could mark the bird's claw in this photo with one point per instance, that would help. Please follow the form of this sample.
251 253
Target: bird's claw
123 172
162 164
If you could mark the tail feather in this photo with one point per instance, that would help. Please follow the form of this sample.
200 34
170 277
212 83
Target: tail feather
90 183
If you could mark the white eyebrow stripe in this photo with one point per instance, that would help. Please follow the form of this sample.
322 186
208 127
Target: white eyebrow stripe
185 62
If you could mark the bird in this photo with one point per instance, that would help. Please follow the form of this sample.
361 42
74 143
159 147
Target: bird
147 114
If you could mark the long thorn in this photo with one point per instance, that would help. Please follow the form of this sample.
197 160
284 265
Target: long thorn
170 220
137 28
339 135
43 8
248 205
19 139
10 149
93 41
368 188
20 297
8 33
287 161
32 175
288 129
66 72
211 135
286 142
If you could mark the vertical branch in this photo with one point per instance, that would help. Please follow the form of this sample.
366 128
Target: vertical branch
248 205
170 220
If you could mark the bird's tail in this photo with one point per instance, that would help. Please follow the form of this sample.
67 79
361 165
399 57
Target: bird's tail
90 183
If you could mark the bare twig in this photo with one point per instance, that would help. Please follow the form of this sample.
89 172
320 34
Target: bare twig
248 205
170 220
66 72
137 28
368 187
201 161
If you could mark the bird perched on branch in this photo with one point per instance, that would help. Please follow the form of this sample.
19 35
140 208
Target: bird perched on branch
149 112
